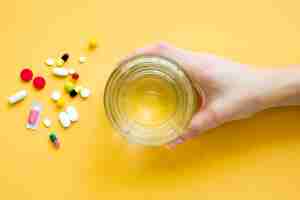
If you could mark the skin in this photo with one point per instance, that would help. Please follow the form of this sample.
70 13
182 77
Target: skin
233 91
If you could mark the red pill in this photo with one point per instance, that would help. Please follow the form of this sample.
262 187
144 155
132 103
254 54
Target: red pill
39 82
26 74
75 76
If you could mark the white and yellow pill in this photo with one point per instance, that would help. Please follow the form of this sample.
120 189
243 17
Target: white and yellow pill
17 97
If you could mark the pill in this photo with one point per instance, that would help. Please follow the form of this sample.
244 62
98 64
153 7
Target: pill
69 86
54 140
47 122
72 71
57 144
65 57
17 97
85 93
72 113
75 76
53 137
78 88
60 102
59 62
26 74
82 59
73 93
62 72
39 82
93 44
50 62
34 115
55 95
64 119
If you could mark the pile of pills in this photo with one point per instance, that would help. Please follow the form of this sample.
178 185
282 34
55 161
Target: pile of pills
58 68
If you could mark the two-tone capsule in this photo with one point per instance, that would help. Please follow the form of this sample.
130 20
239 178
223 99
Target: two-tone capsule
54 140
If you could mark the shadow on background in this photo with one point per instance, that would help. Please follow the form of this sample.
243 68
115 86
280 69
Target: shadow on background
223 150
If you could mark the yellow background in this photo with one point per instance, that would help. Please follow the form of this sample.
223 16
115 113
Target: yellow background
257 158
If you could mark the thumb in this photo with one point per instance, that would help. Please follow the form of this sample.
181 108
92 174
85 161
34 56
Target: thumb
202 121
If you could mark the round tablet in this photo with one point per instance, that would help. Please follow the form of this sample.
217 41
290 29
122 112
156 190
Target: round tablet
26 74
85 93
75 76
50 62
56 95
39 82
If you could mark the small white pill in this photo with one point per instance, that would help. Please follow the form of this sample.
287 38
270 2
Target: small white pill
78 88
85 93
60 71
56 95
64 119
50 62
47 122
72 71
82 59
72 113
19 96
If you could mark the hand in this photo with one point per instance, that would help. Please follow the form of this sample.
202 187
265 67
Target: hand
232 91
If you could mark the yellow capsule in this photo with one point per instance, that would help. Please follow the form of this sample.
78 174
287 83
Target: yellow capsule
93 44
69 86
59 62
61 102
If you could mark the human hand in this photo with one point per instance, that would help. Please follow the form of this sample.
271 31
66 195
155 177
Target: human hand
232 91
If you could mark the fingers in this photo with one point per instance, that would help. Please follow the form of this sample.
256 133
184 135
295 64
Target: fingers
160 49
197 65
201 122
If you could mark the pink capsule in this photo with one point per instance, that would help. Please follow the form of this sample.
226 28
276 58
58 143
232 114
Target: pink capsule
34 116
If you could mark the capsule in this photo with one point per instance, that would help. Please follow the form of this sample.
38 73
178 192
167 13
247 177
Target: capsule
17 97
60 71
73 93
65 57
69 86
54 140
59 62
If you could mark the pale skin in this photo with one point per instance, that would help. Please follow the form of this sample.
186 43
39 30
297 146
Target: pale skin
233 91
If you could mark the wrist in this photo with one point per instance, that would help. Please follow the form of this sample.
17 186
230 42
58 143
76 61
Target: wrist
283 87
